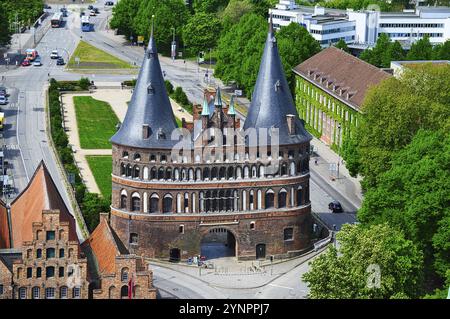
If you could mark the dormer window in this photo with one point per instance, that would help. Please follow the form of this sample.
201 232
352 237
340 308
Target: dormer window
150 89
161 134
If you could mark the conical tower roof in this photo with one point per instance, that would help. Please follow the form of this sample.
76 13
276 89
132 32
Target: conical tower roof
149 106
272 100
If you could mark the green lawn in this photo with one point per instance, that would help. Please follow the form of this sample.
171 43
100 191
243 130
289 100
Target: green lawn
178 121
101 167
93 58
96 122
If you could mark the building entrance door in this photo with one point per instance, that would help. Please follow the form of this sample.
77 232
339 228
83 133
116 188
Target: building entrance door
260 251
174 255
217 243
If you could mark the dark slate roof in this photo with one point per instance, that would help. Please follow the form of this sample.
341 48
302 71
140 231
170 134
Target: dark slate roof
149 105
272 99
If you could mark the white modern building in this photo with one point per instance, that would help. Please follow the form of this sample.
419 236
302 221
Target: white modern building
362 28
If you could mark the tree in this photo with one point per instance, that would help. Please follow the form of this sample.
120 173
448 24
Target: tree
234 11
124 13
5 33
168 14
350 272
394 52
442 51
413 195
239 50
421 50
295 45
393 112
209 6
261 7
92 205
342 45
201 32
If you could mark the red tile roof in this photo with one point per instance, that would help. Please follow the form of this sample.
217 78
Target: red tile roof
335 67
40 194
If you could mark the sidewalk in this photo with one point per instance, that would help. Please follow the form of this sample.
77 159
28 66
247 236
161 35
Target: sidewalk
347 186
232 274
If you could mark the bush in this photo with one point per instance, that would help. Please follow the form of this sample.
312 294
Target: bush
169 87
84 83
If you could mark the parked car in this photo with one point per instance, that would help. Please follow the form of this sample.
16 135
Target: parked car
54 54
60 61
109 3
92 13
2 90
25 63
46 6
82 14
335 207
37 62
3 100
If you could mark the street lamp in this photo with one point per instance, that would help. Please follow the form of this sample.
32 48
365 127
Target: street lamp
174 45
339 149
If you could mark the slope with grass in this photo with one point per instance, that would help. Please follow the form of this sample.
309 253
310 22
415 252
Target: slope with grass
94 58
96 122
101 167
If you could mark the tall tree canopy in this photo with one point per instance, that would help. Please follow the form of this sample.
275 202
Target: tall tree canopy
350 272
384 52
26 13
421 50
168 14
201 32
124 13
240 49
393 112
5 34
414 195
209 6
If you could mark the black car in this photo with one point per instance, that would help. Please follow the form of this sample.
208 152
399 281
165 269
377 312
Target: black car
335 207
96 10
109 3
82 13
46 6
60 61
90 7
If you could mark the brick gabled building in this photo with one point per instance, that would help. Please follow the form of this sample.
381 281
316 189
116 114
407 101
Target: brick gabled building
41 256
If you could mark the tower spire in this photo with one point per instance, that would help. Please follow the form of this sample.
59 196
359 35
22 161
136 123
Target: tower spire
205 108
231 110
218 98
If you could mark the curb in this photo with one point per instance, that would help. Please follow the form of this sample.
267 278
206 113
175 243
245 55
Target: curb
239 288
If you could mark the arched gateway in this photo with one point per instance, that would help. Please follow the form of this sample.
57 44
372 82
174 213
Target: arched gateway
218 242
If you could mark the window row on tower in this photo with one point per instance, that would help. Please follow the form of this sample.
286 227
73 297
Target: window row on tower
214 173
223 200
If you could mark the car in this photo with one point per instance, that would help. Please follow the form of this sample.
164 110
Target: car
60 61
37 62
109 3
90 7
2 90
92 13
335 207
25 63
82 13
54 54
46 6
97 11
3 100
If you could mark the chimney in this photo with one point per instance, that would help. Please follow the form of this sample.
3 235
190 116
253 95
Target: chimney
290 118
145 131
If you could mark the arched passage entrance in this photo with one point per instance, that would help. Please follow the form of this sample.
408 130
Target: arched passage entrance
218 242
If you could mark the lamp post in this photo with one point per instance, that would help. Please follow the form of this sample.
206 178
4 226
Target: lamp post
339 149
174 45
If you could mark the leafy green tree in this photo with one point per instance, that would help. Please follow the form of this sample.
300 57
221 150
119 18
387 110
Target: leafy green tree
201 32
234 11
209 6
26 13
5 34
261 7
239 50
442 51
394 52
92 205
348 272
421 50
377 55
295 45
124 13
413 195
393 112
168 14
342 45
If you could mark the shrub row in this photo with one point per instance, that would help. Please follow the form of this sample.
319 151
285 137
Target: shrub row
91 204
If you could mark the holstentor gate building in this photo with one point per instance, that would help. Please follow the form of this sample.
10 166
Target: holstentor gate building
169 203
